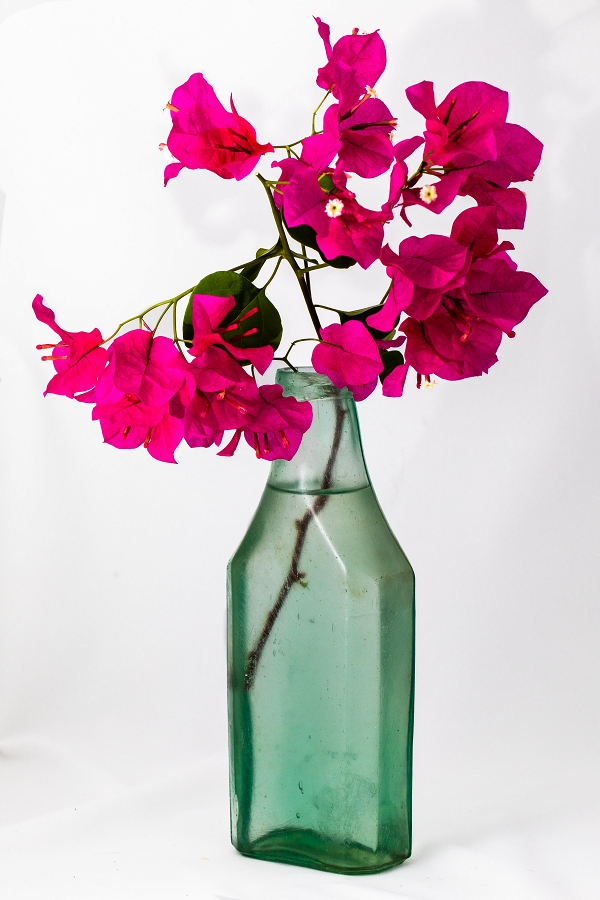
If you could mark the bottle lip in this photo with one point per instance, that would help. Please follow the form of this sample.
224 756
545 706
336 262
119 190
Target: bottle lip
306 384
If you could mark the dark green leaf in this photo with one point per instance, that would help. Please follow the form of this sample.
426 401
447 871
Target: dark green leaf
362 316
391 359
220 284
247 298
252 271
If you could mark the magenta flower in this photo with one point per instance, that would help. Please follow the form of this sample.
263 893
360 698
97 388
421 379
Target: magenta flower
518 154
350 358
317 152
421 271
493 289
225 397
146 366
460 338
211 413
276 430
479 153
131 424
205 136
451 344
364 53
207 314
78 358
364 132
435 195
138 395
462 129
342 226
497 294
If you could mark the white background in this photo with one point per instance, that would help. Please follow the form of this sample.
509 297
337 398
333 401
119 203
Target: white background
112 612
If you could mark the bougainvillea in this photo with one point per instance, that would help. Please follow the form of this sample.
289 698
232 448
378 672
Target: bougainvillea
451 299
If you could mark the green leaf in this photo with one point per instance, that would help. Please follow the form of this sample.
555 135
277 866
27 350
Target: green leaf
391 359
306 235
252 271
362 315
220 284
247 298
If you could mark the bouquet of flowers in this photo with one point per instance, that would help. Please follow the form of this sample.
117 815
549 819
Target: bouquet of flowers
449 302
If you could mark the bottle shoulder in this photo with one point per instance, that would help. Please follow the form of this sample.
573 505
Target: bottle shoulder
346 525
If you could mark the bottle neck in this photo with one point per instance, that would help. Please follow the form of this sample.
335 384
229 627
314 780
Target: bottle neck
330 458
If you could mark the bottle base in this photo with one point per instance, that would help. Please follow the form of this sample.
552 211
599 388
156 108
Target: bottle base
302 847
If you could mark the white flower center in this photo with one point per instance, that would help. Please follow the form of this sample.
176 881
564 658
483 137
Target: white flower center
428 193
371 92
334 208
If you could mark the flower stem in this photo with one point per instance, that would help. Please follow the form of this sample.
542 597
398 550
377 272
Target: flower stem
314 115
287 146
141 315
243 265
330 308
286 360
289 256
314 268
297 341
161 317
273 274
294 575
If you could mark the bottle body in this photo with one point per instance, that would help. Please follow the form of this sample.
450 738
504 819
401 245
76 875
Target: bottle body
321 717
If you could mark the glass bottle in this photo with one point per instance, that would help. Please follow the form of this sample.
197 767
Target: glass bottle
321 658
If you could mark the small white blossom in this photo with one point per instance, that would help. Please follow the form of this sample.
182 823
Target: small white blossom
334 208
428 193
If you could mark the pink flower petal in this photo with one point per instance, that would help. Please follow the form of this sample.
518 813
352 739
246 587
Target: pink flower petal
510 204
393 384
397 301
206 136
430 262
348 355
476 229
78 359
500 295
363 52
518 156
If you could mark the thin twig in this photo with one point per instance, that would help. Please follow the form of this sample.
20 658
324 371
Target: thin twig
289 256
294 574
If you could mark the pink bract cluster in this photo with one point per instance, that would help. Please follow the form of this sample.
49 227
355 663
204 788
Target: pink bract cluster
147 393
450 299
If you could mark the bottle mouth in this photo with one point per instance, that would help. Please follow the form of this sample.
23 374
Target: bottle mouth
304 383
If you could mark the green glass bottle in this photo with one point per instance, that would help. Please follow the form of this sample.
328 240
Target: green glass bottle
321 658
